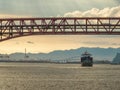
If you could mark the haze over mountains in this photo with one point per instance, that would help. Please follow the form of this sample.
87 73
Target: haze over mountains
70 55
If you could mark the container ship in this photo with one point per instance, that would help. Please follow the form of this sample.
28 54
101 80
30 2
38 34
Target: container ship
86 59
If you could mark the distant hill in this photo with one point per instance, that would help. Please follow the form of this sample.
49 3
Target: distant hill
73 54
116 60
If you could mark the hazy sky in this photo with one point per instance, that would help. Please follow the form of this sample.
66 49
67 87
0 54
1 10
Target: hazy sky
52 7
46 8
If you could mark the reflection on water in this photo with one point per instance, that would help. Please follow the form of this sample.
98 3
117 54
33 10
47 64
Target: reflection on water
39 76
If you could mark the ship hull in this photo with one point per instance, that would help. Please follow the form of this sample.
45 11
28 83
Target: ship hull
87 61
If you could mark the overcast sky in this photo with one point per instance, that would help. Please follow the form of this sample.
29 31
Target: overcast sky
52 7
46 8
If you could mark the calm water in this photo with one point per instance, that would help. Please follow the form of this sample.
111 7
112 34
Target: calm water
39 76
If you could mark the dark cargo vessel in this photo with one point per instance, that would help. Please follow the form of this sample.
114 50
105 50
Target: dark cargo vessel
86 59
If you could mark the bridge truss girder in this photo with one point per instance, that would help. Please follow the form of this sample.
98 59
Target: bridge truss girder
17 27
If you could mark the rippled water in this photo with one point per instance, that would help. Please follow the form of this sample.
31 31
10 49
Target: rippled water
39 76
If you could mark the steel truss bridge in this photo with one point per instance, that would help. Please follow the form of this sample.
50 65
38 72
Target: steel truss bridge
17 27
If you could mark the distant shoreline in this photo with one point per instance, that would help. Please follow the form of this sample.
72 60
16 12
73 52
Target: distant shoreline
52 62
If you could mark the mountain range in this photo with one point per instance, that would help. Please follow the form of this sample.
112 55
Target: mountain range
69 55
